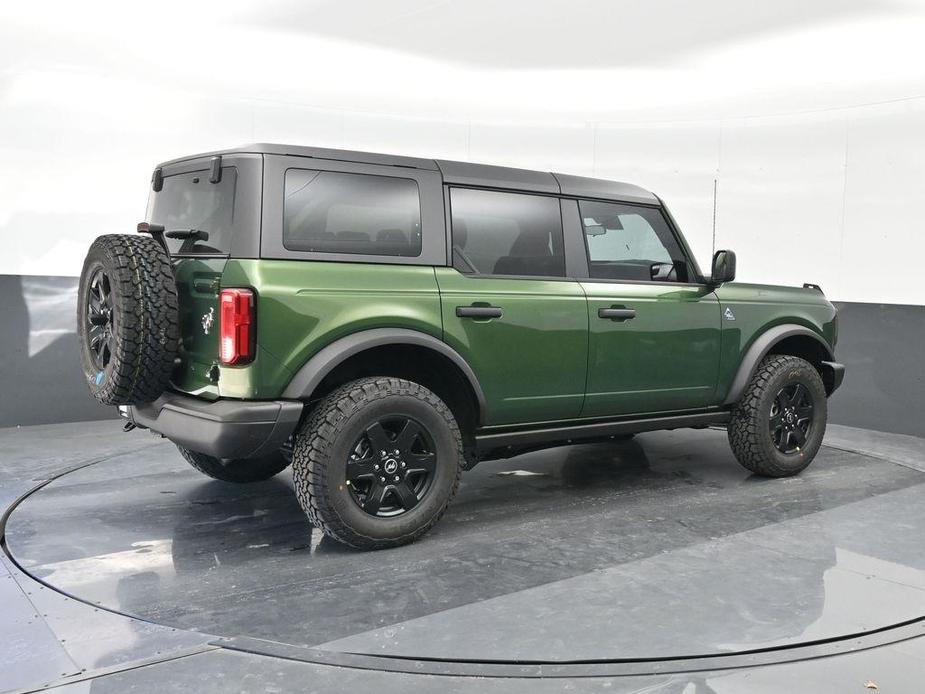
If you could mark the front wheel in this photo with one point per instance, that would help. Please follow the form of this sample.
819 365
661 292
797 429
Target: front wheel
778 425
377 462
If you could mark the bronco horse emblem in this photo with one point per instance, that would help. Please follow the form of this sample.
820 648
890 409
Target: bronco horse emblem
208 320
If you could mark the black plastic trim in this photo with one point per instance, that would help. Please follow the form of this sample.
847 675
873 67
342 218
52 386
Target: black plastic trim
220 428
759 349
497 177
833 374
320 153
479 312
604 189
491 440
573 237
616 314
307 378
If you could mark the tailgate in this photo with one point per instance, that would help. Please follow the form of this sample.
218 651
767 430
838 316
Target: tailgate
198 215
198 287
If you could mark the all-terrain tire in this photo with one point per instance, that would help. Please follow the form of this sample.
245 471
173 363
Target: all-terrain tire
127 284
323 446
750 435
238 470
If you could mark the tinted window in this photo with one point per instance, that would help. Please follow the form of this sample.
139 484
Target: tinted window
506 233
190 201
330 212
626 242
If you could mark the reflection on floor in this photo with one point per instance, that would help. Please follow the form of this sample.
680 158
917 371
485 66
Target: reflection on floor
659 546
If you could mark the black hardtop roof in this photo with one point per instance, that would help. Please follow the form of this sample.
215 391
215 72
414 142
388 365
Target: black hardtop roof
460 173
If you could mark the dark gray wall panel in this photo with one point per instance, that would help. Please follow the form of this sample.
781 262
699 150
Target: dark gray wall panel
40 377
881 344
882 347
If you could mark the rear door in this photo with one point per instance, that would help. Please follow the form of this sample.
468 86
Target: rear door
509 309
654 328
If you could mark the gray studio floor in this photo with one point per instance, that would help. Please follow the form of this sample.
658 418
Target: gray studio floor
656 564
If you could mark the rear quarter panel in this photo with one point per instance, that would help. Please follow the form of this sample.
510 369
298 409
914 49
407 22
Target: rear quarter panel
756 309
302 306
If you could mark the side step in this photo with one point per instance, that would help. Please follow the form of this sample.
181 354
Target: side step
557 435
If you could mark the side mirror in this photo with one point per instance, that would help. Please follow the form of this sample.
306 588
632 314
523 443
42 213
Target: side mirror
724 267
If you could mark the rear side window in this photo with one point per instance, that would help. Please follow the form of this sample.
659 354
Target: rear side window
506 233
332 212
190 202
627 242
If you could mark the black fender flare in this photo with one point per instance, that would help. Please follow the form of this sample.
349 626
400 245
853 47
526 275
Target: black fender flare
760 348
307 378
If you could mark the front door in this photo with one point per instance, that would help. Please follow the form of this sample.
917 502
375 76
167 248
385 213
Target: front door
508 308
654 331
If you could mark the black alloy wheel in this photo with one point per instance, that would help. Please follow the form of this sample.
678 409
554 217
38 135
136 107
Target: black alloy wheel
377 461
791 418
778 425
391 466
100 320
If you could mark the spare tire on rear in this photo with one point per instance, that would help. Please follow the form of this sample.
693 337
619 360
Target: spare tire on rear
127 319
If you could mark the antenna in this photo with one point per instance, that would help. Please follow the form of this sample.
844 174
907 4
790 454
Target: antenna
713 250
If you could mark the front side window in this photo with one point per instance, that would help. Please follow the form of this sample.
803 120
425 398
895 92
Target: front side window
506 233
332 212
627 242
190 202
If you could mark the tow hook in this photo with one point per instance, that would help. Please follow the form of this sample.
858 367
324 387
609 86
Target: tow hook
128 426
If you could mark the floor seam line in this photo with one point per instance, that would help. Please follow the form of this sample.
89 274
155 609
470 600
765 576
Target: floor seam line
99 673
869 454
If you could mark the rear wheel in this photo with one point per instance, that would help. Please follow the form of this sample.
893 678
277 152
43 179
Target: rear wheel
239 470
377 462
778 425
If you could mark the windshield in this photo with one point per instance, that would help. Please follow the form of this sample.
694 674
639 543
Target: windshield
189 201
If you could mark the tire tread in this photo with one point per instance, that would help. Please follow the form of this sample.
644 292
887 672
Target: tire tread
318 434
147 333
745 429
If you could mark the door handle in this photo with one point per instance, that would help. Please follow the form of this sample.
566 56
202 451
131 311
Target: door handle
478 311
616 314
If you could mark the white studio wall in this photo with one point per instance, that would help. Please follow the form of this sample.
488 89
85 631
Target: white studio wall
830 197
819 186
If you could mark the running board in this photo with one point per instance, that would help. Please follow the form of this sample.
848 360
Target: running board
529 438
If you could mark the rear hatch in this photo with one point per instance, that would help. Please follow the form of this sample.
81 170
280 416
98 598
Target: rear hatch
197 215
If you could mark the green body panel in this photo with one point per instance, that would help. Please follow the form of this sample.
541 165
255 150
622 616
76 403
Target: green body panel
531 362
664 359
759 307
198 286
302 306
548 358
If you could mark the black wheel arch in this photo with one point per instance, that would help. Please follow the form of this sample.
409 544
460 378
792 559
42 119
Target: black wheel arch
790 339
313 378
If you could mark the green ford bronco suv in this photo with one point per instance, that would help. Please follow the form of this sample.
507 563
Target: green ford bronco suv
382 323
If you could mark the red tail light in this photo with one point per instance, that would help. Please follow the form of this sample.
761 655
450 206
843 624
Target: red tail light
237 326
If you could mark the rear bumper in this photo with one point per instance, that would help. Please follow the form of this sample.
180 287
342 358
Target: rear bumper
222 428
833 374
